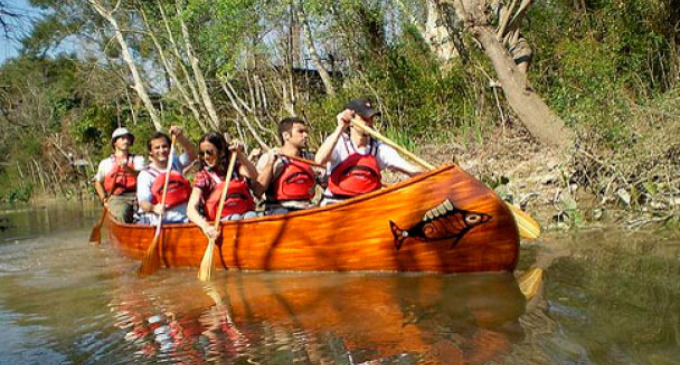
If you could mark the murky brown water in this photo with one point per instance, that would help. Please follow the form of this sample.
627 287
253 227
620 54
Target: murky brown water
610 297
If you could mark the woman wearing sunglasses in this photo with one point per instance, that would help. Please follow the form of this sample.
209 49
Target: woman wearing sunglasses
214 155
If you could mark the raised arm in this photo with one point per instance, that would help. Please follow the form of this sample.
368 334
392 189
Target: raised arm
246 169
183 141
323 155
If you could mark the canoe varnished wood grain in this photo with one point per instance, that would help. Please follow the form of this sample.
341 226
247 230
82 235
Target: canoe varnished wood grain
441 221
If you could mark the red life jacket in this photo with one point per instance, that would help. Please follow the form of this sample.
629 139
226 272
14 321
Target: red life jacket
179 188
119 181
238 201
295 182
357 174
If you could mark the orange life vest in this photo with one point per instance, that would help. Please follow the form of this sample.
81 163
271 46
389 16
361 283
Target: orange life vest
179 188
119 181
295 182
357 174
238 200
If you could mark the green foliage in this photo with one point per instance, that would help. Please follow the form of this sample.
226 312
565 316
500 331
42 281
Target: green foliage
593 64
16 194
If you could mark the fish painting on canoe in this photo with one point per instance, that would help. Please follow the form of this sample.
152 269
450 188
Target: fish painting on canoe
442 222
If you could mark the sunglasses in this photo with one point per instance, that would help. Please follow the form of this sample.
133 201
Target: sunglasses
206 153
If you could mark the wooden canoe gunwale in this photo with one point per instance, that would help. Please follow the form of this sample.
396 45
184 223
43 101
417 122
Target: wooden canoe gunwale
250 244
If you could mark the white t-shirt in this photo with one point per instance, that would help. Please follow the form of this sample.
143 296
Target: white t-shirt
107 165
144 183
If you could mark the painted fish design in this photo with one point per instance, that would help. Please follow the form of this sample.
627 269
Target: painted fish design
444 221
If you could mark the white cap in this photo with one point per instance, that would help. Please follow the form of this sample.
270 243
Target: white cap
122 131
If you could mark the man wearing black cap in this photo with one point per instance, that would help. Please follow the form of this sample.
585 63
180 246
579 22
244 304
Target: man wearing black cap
354 159
117 177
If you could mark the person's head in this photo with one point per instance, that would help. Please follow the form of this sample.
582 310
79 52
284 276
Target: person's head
122 139
293 131
213 151
159 147
364 109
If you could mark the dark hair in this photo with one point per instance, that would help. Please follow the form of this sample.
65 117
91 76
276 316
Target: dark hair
286 125
220 144
157 135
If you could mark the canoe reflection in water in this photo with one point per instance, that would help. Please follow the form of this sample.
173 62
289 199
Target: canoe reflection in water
283 318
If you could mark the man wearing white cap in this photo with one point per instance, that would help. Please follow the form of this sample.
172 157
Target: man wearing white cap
354 159
116 177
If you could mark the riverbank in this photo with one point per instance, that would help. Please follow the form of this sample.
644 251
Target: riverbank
564 192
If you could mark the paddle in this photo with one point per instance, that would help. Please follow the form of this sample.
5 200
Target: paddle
528 227
305 161
205 270
530 282
152 258
96 234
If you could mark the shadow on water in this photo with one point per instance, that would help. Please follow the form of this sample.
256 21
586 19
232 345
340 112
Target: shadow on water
609 297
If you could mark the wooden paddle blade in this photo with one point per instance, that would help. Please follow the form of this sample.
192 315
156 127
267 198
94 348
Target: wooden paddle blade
96 234
528 227
152 260
530 282
205 270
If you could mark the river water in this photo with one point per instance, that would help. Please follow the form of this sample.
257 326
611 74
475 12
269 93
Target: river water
609 296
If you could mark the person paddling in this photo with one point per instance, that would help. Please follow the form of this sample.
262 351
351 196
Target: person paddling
116 178
288 183
354 159
150 180
214 156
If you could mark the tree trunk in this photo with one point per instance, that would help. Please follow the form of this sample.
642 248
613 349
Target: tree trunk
434 35
294 39
231 94
127 57
541 122
198 73
309 43
170 70
175 50
534 113
437 36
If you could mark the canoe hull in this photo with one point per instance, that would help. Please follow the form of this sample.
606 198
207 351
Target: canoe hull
394 229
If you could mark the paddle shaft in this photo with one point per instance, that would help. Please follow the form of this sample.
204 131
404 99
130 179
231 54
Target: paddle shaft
358 123
205 270
165 189
305 161
223 197
95 235
151 260
527 226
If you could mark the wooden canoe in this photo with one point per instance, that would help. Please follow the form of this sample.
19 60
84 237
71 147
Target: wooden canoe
441 221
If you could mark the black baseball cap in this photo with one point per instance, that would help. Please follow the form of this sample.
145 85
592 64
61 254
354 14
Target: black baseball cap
363 108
